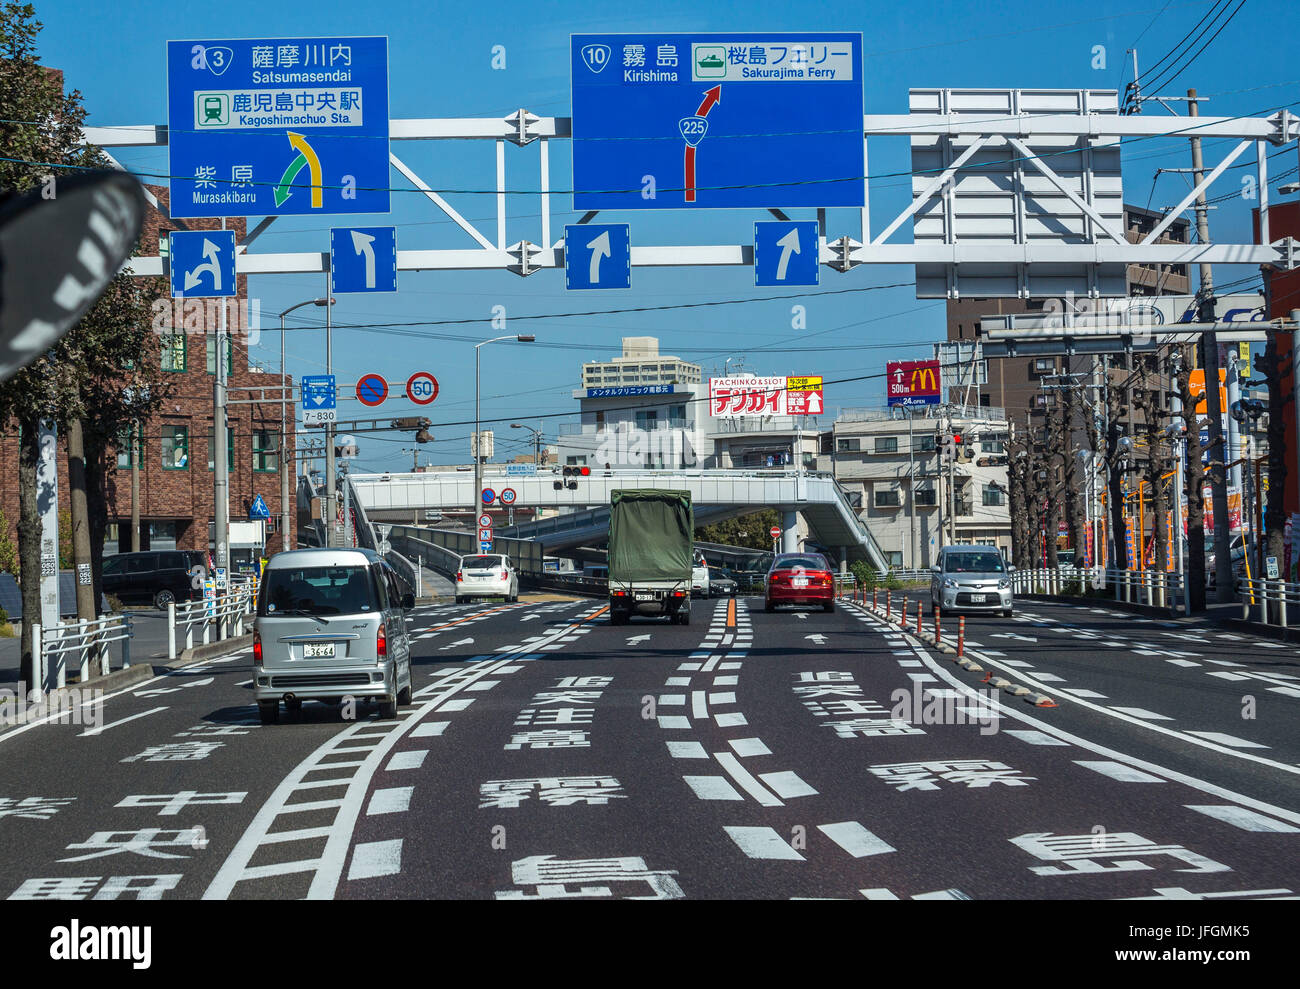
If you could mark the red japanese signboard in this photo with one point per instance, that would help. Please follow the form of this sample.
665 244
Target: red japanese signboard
913 382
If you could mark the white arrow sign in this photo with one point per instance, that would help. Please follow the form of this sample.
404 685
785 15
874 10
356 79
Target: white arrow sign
599 249
213 253
529 618
800 614
364 244
817 637
453 645
814 403
789 244
637 638
1012 635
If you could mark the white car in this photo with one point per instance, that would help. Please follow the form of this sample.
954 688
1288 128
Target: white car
699 576
487 575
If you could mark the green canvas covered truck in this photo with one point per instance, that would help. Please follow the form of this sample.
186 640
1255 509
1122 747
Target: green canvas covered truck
650 554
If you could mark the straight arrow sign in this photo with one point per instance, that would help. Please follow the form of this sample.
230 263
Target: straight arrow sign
453 645
788 244
637 638
363 243
817 637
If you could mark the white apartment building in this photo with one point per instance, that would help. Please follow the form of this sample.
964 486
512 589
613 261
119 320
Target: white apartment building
890 468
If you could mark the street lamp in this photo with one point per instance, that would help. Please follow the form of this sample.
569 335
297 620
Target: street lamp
284 424
478 464
537 440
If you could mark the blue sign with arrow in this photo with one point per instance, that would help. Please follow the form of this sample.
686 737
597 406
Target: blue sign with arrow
258 509
785 253
733 121
202 263
597 255
278 126
363 259
319 399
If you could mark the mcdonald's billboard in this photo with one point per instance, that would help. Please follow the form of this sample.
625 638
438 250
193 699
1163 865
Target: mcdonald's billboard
912 383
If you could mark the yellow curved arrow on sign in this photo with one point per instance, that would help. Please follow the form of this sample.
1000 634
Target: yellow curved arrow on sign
313 165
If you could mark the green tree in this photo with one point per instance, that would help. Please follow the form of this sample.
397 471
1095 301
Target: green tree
8 551
748 530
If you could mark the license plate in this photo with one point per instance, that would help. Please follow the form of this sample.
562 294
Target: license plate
798 581
645 596
318 650
977 599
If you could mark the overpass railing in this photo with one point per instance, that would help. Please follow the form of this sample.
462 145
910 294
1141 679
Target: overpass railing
1152 588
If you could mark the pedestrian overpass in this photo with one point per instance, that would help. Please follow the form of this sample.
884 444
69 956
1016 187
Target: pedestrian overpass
715 495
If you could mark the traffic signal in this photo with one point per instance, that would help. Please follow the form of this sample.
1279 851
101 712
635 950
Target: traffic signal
948 451
570 475
965 445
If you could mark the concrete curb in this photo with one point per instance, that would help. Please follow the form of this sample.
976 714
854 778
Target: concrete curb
210 651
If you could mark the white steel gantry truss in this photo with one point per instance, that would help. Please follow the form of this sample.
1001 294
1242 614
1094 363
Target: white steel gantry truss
1087 238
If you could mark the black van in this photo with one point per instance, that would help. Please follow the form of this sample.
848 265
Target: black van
155 577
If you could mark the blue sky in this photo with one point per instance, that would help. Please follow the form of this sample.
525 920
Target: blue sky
441 66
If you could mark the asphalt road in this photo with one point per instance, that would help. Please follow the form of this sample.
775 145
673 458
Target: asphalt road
549 754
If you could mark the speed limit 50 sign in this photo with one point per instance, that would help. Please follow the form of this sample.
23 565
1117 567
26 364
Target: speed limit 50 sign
422 388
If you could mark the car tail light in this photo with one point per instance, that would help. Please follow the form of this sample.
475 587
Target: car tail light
381 644
505 575
619 594
257 648
459 575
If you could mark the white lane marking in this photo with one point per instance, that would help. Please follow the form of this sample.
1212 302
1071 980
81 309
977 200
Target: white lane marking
908 664
787 784
1033 737
712 788
687 750
390 800
104 728
689 667
1182 662
762 843
1225 662
747 782
1078 692
1118 771
372 859
746 747
458 704
855 839
430 728
726 697
730 666
730 720
673 721
1285 691
698 707
1239 817
1049 677
1231 740
672 700
483 685
243 683
993 652
921 678
725 681
1019 664
1143 713
677 682
412 759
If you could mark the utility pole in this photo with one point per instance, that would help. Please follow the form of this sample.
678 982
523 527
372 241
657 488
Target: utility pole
221 473
136 451
911 487
1209 343
330 513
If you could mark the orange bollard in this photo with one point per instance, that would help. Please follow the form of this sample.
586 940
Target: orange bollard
903 620
961 636
920 607
889 605
875 602
936 627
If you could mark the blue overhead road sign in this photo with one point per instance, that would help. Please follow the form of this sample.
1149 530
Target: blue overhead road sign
679 121
363 259
785 253
597 255
278 126
202 263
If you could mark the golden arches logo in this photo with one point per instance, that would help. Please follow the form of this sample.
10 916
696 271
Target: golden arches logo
926 378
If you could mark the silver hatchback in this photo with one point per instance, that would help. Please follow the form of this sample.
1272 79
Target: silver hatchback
331 624
971 578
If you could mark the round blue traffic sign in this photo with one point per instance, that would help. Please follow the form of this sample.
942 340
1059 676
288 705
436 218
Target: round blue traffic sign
372 389
489 496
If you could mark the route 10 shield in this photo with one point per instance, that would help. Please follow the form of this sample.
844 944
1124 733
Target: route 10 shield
597 255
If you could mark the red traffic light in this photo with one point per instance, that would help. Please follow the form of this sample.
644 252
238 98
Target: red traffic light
956 438
585 471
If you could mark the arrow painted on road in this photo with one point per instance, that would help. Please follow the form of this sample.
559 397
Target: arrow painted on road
789 244
363 243
529 618
1012 635
213 253
453 645
599 249
800 614
637 638
817 637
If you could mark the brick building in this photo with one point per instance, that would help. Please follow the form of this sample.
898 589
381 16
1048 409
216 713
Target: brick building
176 468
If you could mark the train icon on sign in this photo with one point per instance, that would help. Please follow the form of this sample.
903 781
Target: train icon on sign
596 57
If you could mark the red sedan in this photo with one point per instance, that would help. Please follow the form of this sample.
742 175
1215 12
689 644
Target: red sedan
799 578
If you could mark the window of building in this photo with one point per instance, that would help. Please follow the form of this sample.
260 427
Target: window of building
230 450
124 458
210 347
894 557
266 450
925 444
175 447
925 498
173 352
1042 365
995 443
885 498
848 445
576 461
886 444
646 419
994 495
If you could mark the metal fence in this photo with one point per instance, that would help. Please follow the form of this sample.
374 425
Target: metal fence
224 614
1153 588
1272 598
79 644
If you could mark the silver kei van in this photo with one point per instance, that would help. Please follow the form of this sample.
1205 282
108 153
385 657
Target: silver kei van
971 578
331 624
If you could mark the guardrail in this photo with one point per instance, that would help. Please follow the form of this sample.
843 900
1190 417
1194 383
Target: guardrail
225 613
408 571
1153 588
1271 597
88 641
